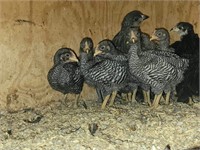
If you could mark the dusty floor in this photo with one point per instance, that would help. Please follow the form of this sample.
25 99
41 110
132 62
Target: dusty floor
59 126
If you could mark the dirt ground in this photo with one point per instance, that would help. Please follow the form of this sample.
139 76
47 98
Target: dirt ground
125 126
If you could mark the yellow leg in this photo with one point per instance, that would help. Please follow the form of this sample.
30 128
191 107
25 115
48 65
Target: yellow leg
167 98
190 102
145 96
129 96
105 102
112 99
76 100
148 97
155 97
156 101
134 96
65 97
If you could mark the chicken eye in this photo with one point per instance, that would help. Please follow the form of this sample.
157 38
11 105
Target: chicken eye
159 34
102 47
67 55
183 29
180 28
136 19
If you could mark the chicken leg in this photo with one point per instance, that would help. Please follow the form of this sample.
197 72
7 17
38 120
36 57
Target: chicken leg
112 99
76 100
156 100
134 96
167 99
105 101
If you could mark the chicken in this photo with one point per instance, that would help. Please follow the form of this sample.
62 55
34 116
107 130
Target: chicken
65 75
104 73
163 40
121 41
132 19
86 45
155 68
189 40
187 47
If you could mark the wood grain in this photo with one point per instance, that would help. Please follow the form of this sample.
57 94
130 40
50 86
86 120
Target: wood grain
32 31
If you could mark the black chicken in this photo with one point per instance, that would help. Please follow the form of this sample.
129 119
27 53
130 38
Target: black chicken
132 19
104 73
65 75
187 47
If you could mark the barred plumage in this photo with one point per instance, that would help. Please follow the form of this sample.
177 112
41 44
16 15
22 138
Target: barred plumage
65 75
104 73
86 45
120 40
161 35
163 50
153 68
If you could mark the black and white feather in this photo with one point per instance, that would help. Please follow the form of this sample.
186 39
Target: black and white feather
65 75
158 69
104 73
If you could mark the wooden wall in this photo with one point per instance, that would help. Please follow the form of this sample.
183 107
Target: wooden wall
32 31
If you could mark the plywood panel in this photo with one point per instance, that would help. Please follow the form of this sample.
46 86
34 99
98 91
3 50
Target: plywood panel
31 32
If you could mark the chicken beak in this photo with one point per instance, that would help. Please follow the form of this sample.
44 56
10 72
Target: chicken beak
73 59
144 17
86 48
97 52
133 37
153 37
174 29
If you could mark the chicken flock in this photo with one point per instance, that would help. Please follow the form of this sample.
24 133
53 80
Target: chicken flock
131 61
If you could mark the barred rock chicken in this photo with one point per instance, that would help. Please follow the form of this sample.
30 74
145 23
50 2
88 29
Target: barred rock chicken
104 73
65 75
162 37
132 19
121 41
131 85
154 68
86 45
188 47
